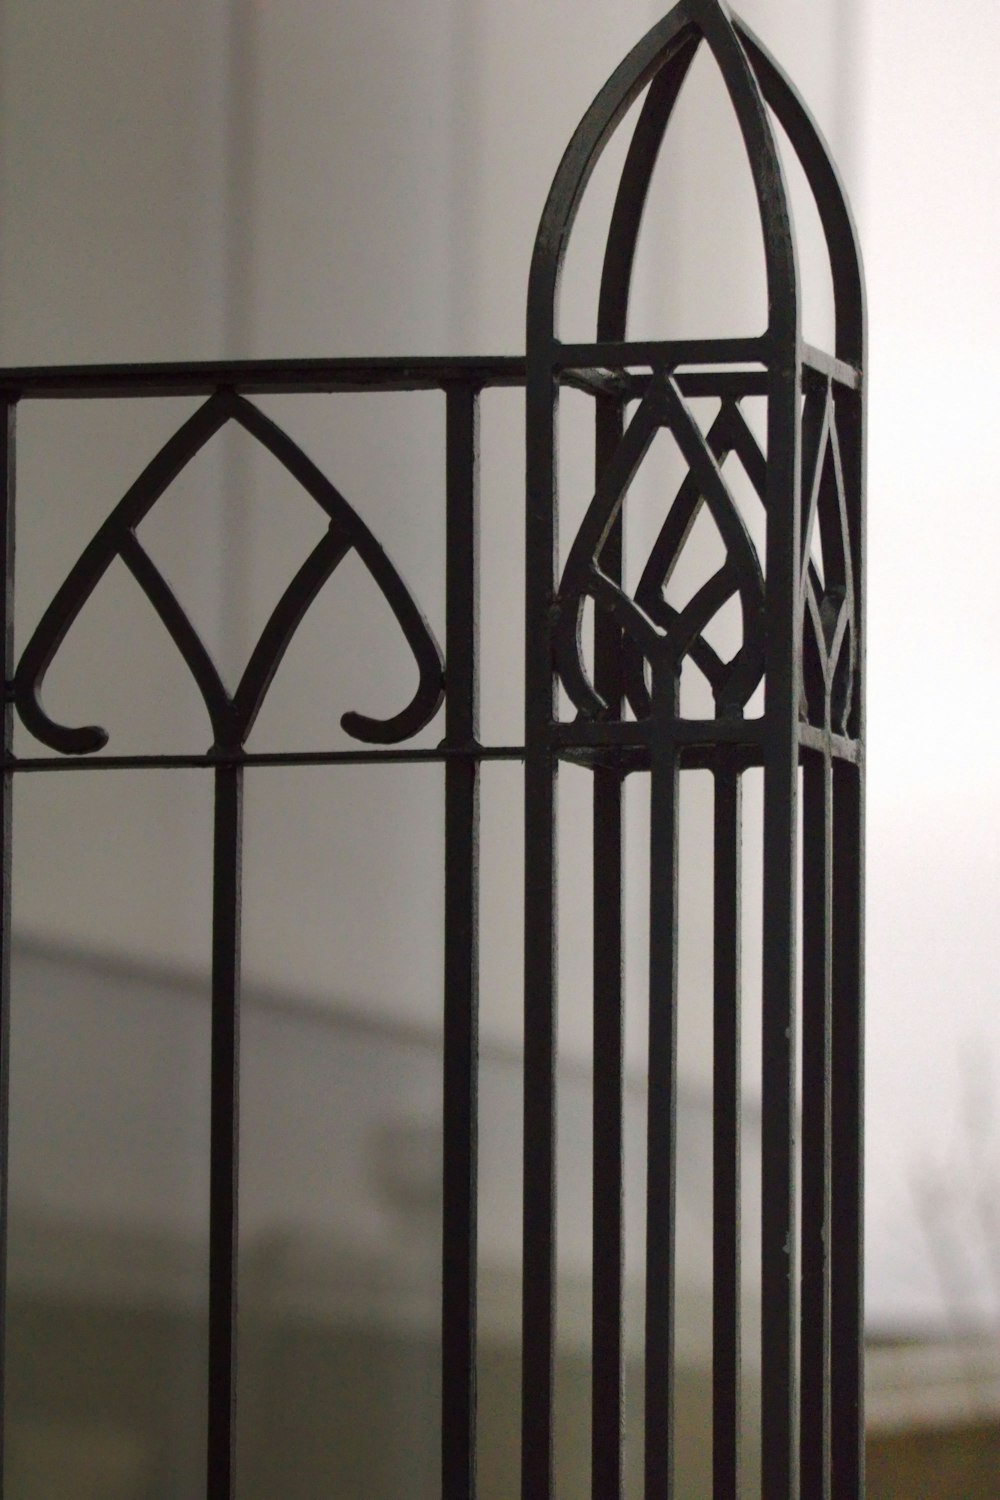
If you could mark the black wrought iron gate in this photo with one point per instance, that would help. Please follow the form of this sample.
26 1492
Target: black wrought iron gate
802 636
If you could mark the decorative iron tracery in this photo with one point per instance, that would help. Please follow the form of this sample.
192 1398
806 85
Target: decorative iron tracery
802 636
232 716
656 631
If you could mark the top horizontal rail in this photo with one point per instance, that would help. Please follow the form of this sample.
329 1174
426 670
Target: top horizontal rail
599 369
260 377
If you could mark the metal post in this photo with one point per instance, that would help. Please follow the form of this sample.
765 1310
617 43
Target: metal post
225 1129
461 996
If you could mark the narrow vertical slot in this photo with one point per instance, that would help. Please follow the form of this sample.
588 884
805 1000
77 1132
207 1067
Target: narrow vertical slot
847 1142
779 1046
106 1331
727 1110
694 1213
576 1289
751 1166
341 1152
661 1165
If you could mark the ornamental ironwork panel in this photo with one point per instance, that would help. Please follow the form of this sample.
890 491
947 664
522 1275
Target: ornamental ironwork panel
801 640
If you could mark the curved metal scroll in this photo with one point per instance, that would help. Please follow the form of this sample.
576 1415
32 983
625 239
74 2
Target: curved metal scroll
732 682
653 629
232 716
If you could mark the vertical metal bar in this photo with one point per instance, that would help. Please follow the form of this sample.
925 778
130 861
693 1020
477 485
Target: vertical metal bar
726 1142
607 1318
779 1372
461 993
538 1311
661 1184
847 1211
539 1289
608 1349
8 476
224 1174
817 919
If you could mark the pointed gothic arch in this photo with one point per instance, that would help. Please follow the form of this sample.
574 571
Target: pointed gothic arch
803 635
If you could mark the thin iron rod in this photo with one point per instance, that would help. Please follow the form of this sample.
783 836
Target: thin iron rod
817 918
698 752
440 754
538 1325
539 1254
847 1215
8 478
224 1147
341 377
607 1313
608 1333
661 1187
461 997
308 376
726 1143
631 753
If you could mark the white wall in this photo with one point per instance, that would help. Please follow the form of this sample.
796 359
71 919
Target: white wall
931 227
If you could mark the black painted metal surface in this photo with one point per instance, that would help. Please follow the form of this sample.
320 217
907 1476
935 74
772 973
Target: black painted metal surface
802 637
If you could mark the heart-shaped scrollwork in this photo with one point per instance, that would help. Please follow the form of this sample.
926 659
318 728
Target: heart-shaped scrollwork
232 715
653 630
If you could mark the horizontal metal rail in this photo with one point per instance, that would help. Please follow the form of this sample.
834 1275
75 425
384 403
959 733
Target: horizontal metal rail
593 368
